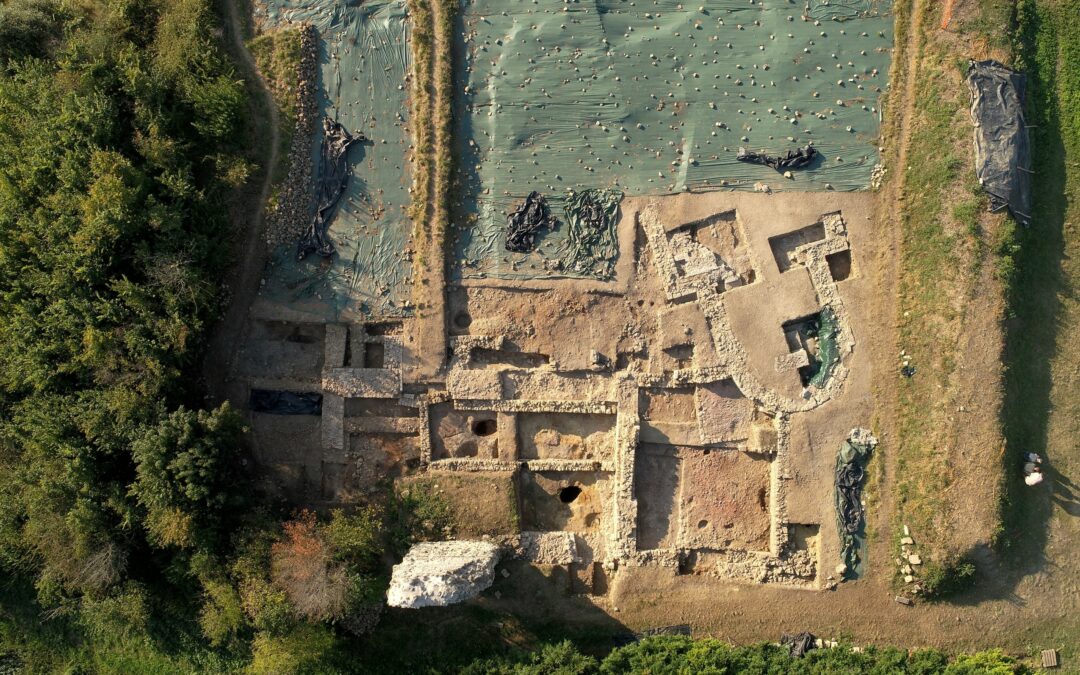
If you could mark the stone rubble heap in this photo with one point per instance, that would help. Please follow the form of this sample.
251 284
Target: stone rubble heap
441 573
292 211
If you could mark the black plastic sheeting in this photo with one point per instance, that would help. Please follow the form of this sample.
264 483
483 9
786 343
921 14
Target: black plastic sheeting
799 644
525 223
286 402
792 159
1002 145
333 176
850 471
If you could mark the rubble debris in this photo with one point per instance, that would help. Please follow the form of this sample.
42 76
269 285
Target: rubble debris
292 210
285 402
333 176
901 600
442 573
526 221
798 644
799 158
1002 145
850 471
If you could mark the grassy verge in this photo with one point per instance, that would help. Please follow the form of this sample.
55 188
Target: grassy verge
421 95
1041 354
444 113
277 55
945 284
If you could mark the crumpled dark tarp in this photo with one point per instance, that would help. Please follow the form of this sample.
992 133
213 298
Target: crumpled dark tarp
792 159
1002 145
286 402
850 470
333 176
526 221
592 244
799 644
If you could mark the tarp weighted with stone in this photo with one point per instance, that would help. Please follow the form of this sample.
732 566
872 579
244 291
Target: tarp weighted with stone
1002 145
792 159
363 83
654 98
851 520
526 221
591 245
827 332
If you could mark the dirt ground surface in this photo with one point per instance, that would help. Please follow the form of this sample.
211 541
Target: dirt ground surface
659 448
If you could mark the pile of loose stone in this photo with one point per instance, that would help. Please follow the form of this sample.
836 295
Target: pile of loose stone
293 208
907 562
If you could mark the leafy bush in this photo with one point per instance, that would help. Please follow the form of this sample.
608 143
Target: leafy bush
117 156
421 515
680 655
183 474
949 577
305 649
27 28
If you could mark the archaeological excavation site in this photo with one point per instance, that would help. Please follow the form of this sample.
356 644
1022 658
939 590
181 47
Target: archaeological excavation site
599 275
539 337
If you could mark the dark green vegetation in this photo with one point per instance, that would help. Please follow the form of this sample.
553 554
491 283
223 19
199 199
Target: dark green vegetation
948 577
124 543
116 154
661 655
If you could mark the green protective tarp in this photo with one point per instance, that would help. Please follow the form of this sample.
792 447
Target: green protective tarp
591 246
363 60
828 354
653 97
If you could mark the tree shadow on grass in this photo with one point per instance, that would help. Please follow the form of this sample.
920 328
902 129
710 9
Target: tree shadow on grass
1032 331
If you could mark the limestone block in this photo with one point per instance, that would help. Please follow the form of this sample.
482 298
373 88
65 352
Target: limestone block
441 573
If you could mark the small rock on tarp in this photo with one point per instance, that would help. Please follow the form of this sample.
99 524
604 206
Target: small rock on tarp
799 644
792 159
286 402
525 223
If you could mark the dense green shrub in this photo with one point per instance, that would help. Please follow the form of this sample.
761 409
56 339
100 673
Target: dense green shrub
949 577
28 28
678 655
119 123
